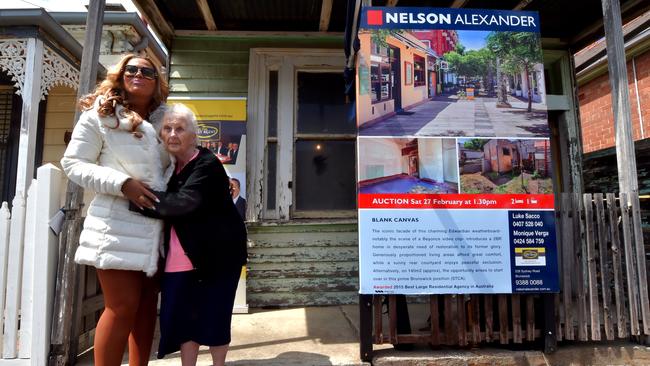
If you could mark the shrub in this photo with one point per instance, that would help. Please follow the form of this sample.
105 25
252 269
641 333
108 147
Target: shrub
501 189
536 175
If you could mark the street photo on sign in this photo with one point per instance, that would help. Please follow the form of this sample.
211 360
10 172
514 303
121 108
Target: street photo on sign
455 172
492 83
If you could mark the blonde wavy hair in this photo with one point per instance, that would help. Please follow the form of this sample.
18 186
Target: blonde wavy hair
111 90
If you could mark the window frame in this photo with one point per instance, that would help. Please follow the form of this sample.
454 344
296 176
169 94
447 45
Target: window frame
422 71
380 58
408 73
319 137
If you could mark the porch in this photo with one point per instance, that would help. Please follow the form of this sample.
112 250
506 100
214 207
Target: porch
211 58
328 336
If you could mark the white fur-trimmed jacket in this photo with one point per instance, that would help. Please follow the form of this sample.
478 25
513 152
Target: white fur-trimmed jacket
101 156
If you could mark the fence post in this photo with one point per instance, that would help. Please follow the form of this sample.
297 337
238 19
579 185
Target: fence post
365 327
48 201
27 285
14 274
631 274
550 336
5 226
644 302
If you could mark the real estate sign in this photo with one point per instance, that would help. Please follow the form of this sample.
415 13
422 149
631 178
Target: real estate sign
454 155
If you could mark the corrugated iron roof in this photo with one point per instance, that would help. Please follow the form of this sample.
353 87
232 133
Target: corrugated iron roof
578 23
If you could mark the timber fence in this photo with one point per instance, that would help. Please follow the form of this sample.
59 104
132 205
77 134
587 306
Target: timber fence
603 293
28 260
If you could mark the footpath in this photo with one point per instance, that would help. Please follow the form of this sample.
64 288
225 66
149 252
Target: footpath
328 336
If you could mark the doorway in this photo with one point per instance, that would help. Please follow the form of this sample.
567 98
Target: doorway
303 135
413 166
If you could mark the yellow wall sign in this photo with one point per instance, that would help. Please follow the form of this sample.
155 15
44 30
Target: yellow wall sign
215 110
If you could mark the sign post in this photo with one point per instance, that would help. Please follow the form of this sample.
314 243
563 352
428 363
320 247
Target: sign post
455 190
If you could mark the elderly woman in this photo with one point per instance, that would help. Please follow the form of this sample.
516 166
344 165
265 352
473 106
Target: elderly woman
205 245
115 152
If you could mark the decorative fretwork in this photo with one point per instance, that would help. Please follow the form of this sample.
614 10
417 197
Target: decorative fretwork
13 54
57 71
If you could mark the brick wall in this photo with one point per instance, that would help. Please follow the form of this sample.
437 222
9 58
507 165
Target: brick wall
596 115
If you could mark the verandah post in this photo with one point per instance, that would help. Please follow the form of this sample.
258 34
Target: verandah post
625 156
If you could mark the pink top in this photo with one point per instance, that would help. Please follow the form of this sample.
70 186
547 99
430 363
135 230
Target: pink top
177 260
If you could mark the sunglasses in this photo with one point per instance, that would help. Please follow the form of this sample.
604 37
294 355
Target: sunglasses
147 72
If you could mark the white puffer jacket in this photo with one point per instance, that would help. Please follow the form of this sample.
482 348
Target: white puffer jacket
101 157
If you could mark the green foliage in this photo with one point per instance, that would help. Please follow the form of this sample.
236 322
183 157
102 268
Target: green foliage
536 175
473 64
501 189
515 49
454 59
379 36
471 190
459 48
493 175
475 144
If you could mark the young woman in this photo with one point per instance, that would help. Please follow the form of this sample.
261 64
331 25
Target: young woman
115 152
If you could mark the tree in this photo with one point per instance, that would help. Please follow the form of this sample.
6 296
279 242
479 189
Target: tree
455 61
475 144
518 51
379 36
473 64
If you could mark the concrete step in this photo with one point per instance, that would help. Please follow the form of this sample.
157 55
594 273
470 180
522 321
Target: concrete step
278 270
317 284
313 239
309 298
303 254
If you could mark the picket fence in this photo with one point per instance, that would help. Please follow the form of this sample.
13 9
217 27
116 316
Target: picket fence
28 260
603 293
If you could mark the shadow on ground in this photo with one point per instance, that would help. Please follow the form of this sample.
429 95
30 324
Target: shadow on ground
287 358
538 129
404 125
525 115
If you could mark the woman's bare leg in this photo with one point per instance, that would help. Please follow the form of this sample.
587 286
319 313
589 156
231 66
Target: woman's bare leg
122 290
219 355
141 336
189 353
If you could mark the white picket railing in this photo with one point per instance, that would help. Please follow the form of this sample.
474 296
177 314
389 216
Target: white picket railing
28 259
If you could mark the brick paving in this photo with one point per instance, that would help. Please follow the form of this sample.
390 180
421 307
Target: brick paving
449 116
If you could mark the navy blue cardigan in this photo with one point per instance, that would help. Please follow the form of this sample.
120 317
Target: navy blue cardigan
199 206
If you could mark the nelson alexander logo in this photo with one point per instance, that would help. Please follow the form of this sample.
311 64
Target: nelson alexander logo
421 18
375 17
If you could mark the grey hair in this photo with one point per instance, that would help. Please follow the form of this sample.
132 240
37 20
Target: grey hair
182 111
